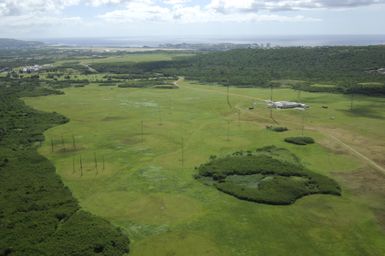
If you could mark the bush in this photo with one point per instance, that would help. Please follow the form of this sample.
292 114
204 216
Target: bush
271 175
277 128
300 140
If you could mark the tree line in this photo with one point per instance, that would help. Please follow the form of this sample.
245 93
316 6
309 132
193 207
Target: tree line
345 67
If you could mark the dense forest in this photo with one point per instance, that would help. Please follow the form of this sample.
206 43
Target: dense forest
39 216
350 69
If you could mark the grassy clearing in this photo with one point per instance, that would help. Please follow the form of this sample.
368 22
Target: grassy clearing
323 85
138 57
149 192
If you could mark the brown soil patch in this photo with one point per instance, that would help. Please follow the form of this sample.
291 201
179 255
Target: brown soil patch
373 148
113 118
368 183
333 146
69 149
365 180
131 141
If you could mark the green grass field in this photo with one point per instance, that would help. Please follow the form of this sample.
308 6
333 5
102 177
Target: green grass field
148 190
138 57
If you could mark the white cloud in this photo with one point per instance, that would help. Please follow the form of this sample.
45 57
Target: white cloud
104 2
15 7
29 21
175 2
38 12
22 7
138 11
149 11
285 5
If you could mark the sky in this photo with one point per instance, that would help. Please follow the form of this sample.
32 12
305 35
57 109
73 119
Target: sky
25 19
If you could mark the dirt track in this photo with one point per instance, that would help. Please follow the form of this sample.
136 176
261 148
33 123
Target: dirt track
321 130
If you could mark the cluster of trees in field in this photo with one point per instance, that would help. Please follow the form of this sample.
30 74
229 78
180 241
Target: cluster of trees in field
38 214
345 67
279 182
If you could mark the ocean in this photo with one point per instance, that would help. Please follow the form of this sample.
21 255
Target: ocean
276 40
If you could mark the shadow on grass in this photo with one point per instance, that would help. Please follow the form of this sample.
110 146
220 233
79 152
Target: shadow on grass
363 111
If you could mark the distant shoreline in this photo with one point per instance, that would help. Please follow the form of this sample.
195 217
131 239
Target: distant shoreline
284 40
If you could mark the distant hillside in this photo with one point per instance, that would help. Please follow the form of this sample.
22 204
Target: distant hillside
6 43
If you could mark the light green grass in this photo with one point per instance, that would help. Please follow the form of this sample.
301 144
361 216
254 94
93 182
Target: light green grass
323 85
165 211
372 84
137 57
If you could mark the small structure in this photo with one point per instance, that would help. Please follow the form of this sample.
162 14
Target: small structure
3 69
31 69
286 105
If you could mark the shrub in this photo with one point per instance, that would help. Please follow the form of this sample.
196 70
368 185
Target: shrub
300 140
271 175
277 128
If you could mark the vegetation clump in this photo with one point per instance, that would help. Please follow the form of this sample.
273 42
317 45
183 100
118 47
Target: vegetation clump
277 128
300 140
269 175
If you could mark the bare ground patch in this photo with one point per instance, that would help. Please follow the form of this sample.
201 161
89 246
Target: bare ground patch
69 149
369 184
368 149
113 118
131 140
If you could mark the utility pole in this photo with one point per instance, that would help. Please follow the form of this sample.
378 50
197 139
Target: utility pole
73 165
271 99
81 166
73 142
303 122
182 151
239 117
62 143
96 162
228 93
160 115
228 130
141 131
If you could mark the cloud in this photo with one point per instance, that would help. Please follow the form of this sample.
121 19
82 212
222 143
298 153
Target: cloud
175 2
24 12
228 6
22 7
30 21
17 8
138 11
224 10
149 11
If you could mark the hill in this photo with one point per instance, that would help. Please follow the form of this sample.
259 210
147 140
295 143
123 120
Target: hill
6 43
